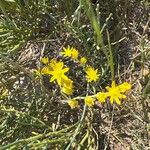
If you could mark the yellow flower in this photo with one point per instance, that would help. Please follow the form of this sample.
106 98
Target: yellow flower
73 103
66 90
58 72
74 54
124 87
67 86
70 52
89 101
45 60
92 74
83 60
101 96
115 94
67 51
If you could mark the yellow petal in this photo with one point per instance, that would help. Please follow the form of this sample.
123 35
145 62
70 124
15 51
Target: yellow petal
118 101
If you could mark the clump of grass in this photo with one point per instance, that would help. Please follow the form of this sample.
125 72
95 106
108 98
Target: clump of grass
73 98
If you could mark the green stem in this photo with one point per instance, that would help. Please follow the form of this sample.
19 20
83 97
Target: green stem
83 140
42 144
3 109
77 129
111 62
98 31
96 26
24 141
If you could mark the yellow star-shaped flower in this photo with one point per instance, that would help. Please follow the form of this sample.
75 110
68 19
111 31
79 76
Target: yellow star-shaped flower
83 60
101 96
73 103
58 72
74 54
89 101
67 86
116 92
45 60
67 52
92 74
70 52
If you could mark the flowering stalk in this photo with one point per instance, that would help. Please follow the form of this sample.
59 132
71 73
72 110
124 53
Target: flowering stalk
99 36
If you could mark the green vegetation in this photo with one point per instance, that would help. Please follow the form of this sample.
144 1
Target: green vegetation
74 74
